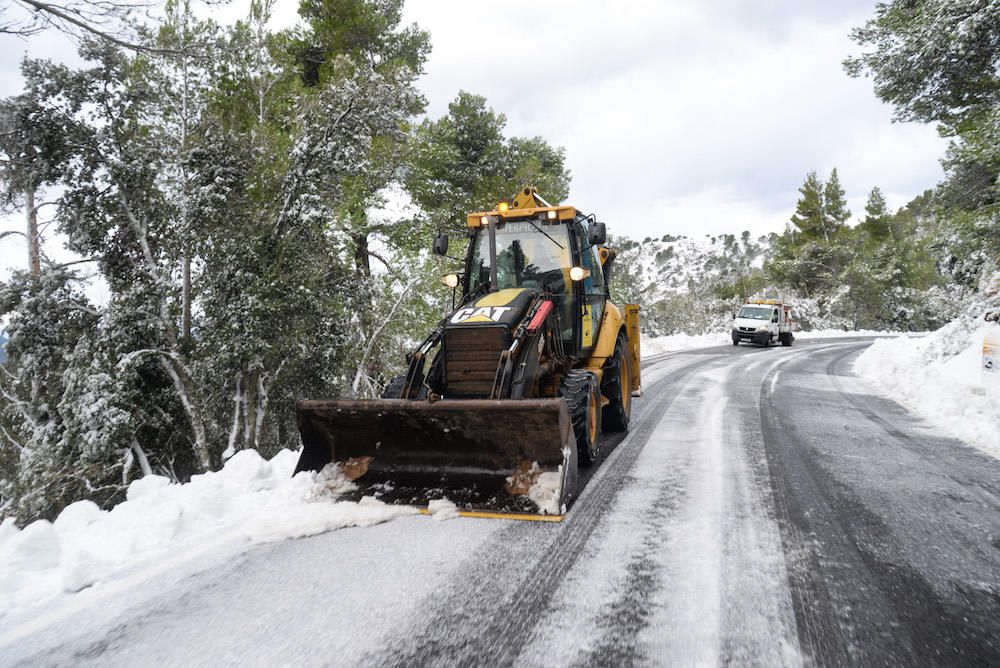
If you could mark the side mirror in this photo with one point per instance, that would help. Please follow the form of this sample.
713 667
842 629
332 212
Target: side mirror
734 315
440 244
597 234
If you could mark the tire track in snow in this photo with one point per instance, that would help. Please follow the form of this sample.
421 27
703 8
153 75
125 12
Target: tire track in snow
700 579
724 598
502 590
885 571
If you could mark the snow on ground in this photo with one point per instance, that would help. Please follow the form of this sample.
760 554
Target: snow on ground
939 377
847 333
249 501
657 345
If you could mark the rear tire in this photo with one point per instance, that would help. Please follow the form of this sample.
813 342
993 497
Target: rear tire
786 338
618 389
583 398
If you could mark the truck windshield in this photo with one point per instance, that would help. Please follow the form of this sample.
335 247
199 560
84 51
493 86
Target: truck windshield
526 258
756 313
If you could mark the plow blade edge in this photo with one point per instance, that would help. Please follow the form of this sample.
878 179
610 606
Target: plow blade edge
484 455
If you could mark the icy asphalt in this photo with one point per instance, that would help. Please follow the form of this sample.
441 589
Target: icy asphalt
766 508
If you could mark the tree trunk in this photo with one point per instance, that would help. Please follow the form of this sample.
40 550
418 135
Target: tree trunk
140 456
234 431
250 407
34 252
186 299
362 262
184 384
261 406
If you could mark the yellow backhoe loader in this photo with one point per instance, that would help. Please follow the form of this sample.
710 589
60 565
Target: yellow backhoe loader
510 393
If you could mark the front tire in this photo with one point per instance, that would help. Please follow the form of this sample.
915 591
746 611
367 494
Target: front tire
394 389
583 398
618 389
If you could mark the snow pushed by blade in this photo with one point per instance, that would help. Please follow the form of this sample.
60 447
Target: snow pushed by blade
546 492
251 500
442 509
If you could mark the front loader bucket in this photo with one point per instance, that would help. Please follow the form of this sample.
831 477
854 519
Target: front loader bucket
486 456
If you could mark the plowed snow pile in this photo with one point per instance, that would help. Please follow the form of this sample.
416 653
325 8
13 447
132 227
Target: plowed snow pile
939 377
249 501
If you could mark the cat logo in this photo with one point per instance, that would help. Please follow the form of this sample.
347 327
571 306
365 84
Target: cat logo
481 314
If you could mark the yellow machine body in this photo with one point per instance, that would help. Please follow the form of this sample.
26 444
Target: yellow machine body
469 422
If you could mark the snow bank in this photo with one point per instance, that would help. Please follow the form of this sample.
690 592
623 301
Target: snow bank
939 378
657 345
847 333
249 501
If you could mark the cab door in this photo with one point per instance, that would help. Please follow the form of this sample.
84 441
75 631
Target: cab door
591 291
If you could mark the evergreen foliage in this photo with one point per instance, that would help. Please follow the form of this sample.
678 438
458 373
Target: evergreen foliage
228 184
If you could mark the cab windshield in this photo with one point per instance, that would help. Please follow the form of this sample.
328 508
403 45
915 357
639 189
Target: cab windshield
528 256
756 313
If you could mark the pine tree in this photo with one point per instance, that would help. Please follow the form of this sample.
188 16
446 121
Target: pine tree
936 62
463 162
876 224
809 219
835 212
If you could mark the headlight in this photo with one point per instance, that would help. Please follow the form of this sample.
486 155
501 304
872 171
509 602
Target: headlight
451 280
762 328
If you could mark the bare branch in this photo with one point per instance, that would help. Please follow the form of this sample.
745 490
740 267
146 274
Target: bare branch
78 17
73 306
70 264
10 438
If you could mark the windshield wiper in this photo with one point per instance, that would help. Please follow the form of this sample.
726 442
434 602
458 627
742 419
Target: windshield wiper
532 223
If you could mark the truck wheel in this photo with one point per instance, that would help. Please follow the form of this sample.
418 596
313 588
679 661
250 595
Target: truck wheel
786 339
736 341
583 398
618 389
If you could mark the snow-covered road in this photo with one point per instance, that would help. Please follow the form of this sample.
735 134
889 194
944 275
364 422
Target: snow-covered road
766 508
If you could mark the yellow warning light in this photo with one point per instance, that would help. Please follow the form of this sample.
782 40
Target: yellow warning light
503 206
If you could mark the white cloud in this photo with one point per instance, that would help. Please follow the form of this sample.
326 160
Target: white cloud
677 117
714 111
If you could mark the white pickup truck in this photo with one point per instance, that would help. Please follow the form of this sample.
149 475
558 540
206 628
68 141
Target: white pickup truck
764 321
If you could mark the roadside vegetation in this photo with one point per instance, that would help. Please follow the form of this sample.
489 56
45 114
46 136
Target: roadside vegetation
258 205
236 191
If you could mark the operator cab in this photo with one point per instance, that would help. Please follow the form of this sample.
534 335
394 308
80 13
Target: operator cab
544 248
541 255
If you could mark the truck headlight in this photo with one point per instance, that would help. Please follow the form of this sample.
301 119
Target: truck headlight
762 328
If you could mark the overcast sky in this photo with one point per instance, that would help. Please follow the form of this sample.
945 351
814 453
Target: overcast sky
686 118
682 117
